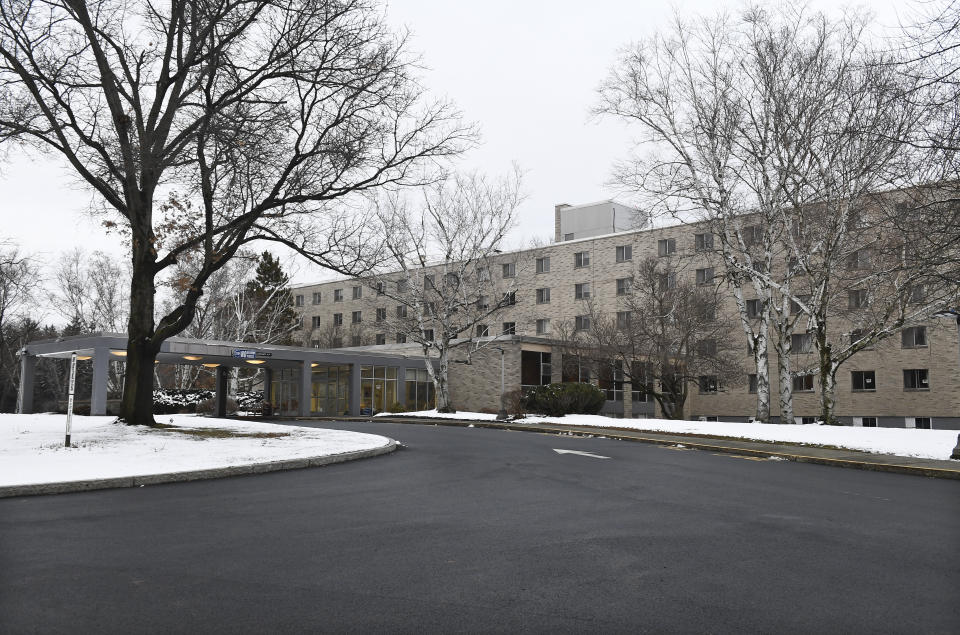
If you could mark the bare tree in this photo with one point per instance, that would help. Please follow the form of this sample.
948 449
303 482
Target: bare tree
442 266
681 88
203 126
666 336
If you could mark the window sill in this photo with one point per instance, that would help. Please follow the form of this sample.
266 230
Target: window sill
910 348
916 390
863 390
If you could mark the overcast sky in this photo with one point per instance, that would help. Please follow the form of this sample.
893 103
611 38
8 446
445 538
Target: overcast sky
525 70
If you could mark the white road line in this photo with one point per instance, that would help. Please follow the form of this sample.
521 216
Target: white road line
591 455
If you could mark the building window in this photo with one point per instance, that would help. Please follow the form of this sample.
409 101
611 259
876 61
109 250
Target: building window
338 295
379 288
509 328
543 295
337 342
857 335
483 302
703 242
753 235
863 380
510 299
402 286
316 297
623 320
429 281
509 270
427 335
298 300
610 380
483 330
795 306
543 326
314 343
709 384
581 259
543 264
581 323
355 340
801 342
808 421
624 286
624 253
401 338
803 383
916 294
752 384
857 298
573 370
754 308
315 321
535 368
483 274
707 348
338 319
356 317
868 422
381 314
914 337
401 310
705 276
381 339
420 389
666 247
922 423
916 379
568 237
581 291
430 308
668 281
357 293
860 259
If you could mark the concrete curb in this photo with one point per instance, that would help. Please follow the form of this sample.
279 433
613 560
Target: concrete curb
194 475
876 465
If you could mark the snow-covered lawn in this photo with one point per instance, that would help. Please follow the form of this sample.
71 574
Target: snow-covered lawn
930 444
32 446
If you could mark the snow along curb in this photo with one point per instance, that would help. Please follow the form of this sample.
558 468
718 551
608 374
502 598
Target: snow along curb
869 462
194 475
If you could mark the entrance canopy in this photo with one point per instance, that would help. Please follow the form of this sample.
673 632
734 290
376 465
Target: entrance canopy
296 365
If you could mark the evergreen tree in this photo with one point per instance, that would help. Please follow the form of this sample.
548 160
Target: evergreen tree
274 319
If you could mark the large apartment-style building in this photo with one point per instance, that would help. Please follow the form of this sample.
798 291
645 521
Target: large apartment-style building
911 380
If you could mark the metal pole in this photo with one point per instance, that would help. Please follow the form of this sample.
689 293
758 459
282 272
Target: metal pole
73 382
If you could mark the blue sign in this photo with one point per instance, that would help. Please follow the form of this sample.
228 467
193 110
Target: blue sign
241 353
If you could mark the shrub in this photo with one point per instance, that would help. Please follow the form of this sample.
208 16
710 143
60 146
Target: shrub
206 406
395 407
173 401
514 403
556 400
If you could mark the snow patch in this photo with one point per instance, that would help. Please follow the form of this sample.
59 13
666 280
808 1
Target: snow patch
927 444
32 446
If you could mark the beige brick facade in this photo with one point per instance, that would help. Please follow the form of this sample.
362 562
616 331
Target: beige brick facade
476 387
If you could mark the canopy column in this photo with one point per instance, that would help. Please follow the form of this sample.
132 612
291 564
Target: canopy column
306 388
354 389
98 389
220 400
28 365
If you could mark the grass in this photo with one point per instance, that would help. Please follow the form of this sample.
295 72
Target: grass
220 433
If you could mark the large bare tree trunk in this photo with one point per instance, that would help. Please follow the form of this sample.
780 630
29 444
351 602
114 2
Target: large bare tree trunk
441 381
828 380
137 405
785 373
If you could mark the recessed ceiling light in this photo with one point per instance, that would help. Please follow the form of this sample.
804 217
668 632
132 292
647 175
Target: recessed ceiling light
119 353
256 361
192 358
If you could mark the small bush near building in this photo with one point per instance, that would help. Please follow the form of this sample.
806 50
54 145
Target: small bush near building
207 406
395 408
556 400
172 401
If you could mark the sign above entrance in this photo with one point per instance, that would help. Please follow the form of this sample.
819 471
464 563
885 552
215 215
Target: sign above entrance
244 353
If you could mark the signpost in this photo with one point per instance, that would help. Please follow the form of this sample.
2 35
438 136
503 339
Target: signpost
73 382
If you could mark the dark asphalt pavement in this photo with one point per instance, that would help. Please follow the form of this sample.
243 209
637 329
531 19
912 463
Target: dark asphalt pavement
470 530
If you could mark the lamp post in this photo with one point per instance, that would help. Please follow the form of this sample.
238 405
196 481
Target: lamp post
503 410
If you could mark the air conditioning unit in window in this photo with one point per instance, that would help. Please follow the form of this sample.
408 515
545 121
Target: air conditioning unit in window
702 418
